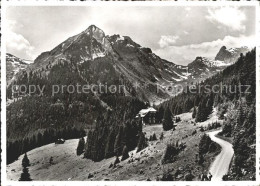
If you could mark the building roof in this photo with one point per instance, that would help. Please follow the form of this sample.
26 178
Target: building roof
143 112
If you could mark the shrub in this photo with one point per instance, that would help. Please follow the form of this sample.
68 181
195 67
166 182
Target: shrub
177 119
194 132
188 177
161 136
167 177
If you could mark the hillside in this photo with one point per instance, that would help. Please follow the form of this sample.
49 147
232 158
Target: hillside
142 165
236 105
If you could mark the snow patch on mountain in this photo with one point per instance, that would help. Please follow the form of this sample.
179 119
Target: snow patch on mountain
183 77
120 38
98 54
213 63
175 79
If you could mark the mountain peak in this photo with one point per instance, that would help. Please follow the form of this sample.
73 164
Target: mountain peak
92 26
95 32
230 55
93 29
223 48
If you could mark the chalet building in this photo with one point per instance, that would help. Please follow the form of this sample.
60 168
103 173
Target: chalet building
148 116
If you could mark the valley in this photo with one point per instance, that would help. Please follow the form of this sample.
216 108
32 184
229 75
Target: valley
171 144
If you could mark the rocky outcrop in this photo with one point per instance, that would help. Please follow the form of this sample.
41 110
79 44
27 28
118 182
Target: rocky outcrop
230 55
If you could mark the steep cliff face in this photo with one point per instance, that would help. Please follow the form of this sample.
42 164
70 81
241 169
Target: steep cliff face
230 55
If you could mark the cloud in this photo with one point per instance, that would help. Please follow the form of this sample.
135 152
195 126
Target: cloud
187 53
230 17
186 33
16 43
166 41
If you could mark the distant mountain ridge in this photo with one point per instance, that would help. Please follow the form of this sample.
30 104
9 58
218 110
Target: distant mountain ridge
14 65
229 56
117 59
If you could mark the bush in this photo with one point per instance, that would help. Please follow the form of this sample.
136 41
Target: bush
225 177
167 177
194 132
188 177
177 119
161 136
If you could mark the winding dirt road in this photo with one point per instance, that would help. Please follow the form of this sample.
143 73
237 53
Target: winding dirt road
222 161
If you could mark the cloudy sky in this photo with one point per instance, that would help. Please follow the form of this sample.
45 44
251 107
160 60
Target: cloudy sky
177 34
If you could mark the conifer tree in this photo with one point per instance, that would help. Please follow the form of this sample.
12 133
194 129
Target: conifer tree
25 161
25 176
118 141
167 120
81 146
142 143
194 112
154 137
202 113
109 150
116 161
125 154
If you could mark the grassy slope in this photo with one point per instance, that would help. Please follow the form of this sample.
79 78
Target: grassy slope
146 164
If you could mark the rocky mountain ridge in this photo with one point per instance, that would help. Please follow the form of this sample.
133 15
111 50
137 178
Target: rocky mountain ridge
116 59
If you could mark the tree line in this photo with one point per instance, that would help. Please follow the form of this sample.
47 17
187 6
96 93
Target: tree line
115 130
